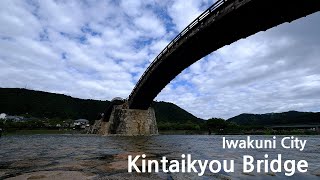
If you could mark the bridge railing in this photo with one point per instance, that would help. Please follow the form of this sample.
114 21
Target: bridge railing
181 35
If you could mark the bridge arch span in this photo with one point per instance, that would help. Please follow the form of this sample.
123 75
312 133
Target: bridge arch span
223 23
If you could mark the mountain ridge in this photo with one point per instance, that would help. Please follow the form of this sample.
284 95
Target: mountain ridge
270 119
17 101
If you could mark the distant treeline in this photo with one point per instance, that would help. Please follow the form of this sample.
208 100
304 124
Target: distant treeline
39 104
269 119
15 101
56 107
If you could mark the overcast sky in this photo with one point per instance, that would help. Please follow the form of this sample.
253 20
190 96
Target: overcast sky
99 49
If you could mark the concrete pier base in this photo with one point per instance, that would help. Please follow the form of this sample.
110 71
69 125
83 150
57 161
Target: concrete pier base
128 122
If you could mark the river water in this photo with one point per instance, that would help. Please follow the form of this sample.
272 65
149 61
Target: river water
106 157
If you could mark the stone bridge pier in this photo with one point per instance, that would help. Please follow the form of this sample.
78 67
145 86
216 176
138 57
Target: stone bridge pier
120 120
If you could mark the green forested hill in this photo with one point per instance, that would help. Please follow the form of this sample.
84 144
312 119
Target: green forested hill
16 101
166 112
50 105
285 118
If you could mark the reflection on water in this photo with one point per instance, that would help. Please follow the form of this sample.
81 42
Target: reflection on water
88 156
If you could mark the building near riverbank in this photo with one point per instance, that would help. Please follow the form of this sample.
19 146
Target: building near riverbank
81 123
301 127
4 116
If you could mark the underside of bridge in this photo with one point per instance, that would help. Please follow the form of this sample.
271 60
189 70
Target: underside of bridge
221 25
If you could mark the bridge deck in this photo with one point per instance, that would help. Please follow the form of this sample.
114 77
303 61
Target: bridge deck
222 24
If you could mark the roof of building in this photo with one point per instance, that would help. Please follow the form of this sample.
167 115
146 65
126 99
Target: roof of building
117 99
14 117
81 120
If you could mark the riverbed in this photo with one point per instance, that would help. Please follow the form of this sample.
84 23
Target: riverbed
106 157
